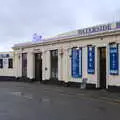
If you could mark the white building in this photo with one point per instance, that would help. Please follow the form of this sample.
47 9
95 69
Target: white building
7 66
91 53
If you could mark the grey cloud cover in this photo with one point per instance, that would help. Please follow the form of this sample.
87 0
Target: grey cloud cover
19 19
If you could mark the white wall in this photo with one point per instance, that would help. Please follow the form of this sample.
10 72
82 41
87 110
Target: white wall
64 61
114 80
5 71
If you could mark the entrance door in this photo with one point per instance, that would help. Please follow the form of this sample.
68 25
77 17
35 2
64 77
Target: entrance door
38 67
24 64
102 66
54 64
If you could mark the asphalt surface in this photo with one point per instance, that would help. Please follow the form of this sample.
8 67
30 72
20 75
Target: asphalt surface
35 101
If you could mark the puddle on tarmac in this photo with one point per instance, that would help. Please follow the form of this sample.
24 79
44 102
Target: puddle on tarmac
16 93
21 94
30 97
45 100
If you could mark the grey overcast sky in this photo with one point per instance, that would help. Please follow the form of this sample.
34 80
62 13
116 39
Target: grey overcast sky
19 19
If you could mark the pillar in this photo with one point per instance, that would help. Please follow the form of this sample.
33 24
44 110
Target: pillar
30 65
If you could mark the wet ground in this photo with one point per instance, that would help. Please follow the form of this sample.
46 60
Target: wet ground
35 101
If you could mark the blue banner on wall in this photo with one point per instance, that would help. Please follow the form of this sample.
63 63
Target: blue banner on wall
91 60
80 62
76 63
114 59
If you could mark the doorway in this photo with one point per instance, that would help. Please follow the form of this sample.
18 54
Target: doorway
102 67
54 64
24 64
38 66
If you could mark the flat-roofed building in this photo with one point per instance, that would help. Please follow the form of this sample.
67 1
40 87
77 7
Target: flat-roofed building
7 66
91 54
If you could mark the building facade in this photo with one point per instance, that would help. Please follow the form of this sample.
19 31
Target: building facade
7 66
92 54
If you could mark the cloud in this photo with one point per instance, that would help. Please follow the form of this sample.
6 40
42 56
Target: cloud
19 19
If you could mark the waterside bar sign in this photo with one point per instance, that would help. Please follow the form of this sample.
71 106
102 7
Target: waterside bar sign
98 29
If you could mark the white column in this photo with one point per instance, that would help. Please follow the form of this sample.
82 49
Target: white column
43 65
18 64
69 53
30 65
47 65
15 64
60 64
65 65
84 62
46 68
